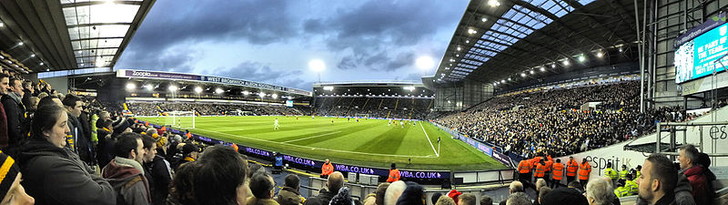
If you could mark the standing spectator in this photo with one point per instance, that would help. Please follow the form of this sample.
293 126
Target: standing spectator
261 185
658 180
125 171
289 194
11 191
4 87
466 199
701 186
217 178
54 175
77 141
150 151
161 173
14 110
105 147
414 194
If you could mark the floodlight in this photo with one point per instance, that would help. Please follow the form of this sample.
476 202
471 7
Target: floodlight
553 65
32 55
533 72
409 88
484 19
2 24
198 90
274 96
543 69
245 92
42 63
600 54
219 90
172 88
329 88
582 58
149 87
493 3
467 41
424 62
261 94
566 62
509 79
523 74
20 43
317 65
472 31
130 86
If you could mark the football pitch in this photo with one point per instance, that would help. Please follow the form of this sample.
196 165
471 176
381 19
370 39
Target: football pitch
368 142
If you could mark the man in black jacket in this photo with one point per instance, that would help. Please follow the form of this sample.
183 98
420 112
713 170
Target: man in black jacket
15 111
78 142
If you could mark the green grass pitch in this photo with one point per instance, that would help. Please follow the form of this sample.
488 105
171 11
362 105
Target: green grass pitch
368 142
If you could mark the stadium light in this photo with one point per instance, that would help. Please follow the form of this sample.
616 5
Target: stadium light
246 93
553 65
600 54
484 19
424 62
503 81
261 94
509 79
172 88
20 43
219 90
409 88
566 62
274 96
582 58
533 72
523 75
149 87
472 31
493 3
130 86
543 69
198 90
329 88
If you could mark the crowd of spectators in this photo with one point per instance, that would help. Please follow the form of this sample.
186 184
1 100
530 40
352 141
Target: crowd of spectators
208 109
375 107
562 121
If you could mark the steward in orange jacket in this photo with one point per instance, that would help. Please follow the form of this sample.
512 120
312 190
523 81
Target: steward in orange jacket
557 174
393 174
584 171
524 171
327 169
571 167
540 170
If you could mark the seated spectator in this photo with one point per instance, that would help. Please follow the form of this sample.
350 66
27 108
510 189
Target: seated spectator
394 191
11 191
445 200
486 200
515 187
562 196
467 199
289 194
261 186
414 194
342 198
125 171
54 175
599 191
333 184
519 198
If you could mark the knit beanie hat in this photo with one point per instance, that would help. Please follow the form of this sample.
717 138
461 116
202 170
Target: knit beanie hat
8 171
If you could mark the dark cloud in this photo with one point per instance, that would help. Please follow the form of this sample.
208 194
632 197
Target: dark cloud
178 61
172 22
260 72
375 30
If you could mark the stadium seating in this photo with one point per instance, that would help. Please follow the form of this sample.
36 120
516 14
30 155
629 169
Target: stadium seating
407 108
155 109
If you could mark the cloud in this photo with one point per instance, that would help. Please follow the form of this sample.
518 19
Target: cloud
261 72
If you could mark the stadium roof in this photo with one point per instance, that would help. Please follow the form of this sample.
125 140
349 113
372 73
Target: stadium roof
497 39
67 34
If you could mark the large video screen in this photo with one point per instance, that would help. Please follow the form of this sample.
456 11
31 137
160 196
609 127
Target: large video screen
698 58
289 103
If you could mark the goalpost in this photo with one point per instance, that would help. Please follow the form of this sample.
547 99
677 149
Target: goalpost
180 119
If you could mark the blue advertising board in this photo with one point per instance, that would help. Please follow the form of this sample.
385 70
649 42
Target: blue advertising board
702 50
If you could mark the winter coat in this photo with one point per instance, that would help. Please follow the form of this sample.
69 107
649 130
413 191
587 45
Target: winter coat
161 172
700 184
254 201
55 175
15 112
289 196
127 178
324 197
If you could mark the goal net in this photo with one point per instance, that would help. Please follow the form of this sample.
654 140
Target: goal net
180 119
359 115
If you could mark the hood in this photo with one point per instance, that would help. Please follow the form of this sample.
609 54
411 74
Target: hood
122 168
695 170
36 148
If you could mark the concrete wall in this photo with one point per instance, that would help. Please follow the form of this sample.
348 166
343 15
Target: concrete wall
59 83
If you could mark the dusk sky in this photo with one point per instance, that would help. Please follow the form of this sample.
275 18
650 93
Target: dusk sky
272 41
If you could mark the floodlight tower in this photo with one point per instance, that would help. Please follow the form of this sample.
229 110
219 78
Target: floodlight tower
318 66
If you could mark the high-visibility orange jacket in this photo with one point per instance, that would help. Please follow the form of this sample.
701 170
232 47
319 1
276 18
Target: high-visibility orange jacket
584 171
549 164
540 170
393 175
571 168
189 135
327 169
557 171
524 166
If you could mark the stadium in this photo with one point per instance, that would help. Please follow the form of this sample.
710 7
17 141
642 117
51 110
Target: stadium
525 102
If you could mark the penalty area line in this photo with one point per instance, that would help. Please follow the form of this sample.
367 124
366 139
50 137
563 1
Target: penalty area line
428 139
